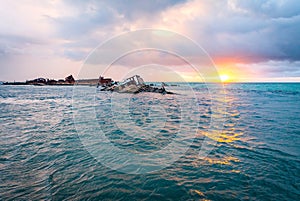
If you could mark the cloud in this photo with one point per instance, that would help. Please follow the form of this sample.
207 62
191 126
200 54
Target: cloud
269 8
84 21
273 69
249 30
15 45
257 34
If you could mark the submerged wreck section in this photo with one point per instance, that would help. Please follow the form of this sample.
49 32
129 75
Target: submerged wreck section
134 84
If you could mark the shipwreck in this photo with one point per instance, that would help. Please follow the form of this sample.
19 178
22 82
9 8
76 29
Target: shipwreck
134 84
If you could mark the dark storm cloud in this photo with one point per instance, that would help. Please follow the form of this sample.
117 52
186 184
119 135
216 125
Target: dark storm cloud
286 37
282 28
252 31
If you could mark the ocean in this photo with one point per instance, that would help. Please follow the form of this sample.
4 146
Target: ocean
240 142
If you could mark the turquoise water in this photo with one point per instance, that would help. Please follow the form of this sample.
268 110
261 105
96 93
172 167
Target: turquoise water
255 157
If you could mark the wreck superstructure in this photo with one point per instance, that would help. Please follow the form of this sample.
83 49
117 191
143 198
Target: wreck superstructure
134 84
130 85
136 80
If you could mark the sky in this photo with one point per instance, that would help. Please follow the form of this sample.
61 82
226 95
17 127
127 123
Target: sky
247 40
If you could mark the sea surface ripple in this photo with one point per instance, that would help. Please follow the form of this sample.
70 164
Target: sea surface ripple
256 157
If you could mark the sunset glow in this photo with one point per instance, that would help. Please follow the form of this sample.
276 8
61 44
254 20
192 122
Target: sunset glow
224 78
59 35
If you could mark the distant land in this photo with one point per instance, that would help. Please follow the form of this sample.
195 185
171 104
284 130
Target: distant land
68 81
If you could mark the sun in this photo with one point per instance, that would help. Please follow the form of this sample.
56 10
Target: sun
224 77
